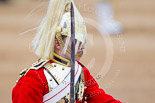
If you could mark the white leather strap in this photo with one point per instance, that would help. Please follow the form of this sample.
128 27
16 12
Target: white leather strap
61 90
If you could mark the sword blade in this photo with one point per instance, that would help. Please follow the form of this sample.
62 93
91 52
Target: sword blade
72 99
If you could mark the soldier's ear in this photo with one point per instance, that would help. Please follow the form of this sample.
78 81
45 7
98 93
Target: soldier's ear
57 44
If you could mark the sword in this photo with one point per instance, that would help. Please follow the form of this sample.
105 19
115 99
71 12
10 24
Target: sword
72 99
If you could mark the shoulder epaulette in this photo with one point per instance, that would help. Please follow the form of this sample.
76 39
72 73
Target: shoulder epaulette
37 65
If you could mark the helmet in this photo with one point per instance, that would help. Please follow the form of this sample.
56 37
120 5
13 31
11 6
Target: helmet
57 23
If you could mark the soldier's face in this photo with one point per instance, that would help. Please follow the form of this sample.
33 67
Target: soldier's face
67 55
59 47
79 52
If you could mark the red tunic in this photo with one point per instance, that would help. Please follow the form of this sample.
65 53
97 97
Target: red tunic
33 86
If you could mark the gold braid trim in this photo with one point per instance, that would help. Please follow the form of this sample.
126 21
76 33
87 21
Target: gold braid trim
59 38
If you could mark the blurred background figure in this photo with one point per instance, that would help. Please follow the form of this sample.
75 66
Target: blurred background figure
106 17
